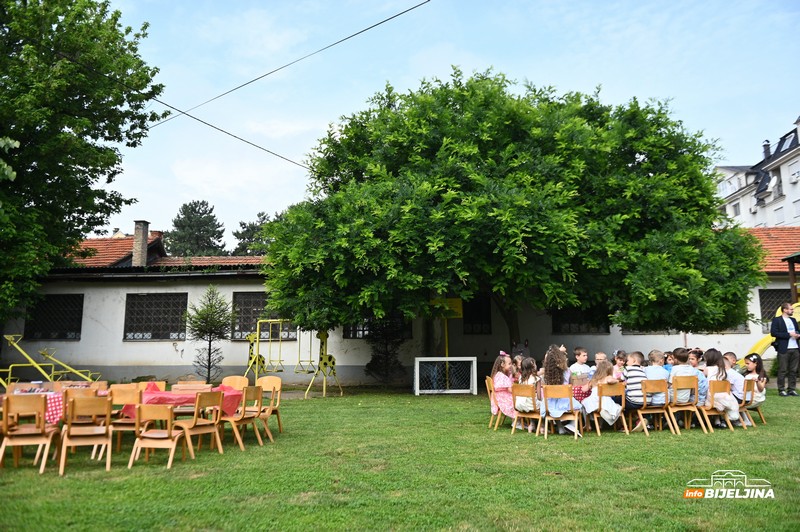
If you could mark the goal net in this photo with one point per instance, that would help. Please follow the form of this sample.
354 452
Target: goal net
445 375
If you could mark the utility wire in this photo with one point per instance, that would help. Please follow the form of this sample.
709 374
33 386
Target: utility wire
289 64
186 113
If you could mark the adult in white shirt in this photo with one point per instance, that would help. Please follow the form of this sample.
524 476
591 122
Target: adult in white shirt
785 330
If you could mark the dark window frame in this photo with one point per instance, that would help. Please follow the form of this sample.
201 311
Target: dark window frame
155 317
360 331
55 317
476 316
575 321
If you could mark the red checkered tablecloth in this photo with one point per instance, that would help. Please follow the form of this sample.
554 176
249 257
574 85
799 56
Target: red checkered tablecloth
579 394
55 407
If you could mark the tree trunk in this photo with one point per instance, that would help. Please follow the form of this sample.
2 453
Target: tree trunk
511 317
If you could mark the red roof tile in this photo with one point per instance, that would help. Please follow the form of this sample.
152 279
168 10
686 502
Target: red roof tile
778 242
204 261
110 251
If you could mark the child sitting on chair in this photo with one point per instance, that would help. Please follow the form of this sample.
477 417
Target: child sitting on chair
656 371
528 375
501 377
715 370
755 371
609 410
557 372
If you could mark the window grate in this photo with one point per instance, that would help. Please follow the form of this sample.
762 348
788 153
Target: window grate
362 330
769 301
577 321
477 315
155 317
56 317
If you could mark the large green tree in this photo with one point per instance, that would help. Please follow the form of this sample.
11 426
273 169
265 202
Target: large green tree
195 231
472 185
73 89
249 237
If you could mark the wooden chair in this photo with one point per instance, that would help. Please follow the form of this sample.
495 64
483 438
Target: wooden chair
689 407
17 435
499 417
746 405
77 432
524 390
560 391
148 437
121 396
207 403
142 385
274 383
610 390
659 412
246 414
708 411
235 381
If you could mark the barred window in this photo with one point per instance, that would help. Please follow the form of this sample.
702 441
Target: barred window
477 315
56 317
249 310
577 321
362 330
769 300
155 317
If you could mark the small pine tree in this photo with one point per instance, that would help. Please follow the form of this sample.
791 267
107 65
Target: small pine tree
210 322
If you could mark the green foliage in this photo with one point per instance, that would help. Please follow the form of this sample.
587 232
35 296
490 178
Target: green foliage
73 88
6 172
552 201
250 236
196 232
210 322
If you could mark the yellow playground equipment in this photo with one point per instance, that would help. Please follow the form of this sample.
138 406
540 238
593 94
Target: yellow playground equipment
277 331
761 346
47 369
327 366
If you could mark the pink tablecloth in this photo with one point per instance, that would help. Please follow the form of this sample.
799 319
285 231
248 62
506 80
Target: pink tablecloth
230 400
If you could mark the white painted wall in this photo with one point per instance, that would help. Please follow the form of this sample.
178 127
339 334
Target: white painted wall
102 348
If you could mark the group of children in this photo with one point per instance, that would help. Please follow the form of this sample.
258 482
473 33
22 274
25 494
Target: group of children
630 369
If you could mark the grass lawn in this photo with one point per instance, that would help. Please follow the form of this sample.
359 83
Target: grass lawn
390 460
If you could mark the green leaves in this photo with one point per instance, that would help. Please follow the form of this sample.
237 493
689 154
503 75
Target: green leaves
73 87
551 201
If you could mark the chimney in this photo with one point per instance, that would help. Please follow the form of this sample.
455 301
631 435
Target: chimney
766 149
140 234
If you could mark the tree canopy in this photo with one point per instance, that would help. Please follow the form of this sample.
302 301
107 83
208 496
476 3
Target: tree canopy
196 232
250 236
556 201
73 89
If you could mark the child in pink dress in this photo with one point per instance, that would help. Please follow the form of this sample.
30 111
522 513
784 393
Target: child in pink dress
502 379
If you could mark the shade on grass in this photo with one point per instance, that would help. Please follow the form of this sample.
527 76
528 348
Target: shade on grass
390 460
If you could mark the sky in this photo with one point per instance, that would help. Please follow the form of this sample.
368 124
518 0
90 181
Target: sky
728 68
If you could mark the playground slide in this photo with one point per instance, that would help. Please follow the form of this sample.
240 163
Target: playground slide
762 345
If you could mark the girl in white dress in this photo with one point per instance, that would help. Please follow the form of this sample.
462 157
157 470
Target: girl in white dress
609 410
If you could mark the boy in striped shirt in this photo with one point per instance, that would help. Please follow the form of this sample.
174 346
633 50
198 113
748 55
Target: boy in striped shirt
634 375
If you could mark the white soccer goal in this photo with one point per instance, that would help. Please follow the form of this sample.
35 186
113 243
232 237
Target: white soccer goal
445 375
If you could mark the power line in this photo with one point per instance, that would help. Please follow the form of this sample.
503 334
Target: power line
165 104
291 63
